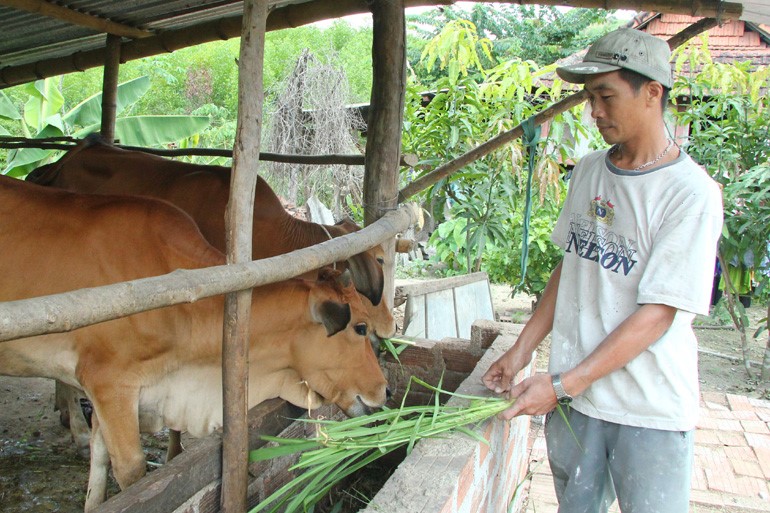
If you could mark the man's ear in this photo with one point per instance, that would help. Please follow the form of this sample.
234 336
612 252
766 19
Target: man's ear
334 316
654 91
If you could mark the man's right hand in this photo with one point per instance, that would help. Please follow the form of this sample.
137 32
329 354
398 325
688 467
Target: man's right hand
499 377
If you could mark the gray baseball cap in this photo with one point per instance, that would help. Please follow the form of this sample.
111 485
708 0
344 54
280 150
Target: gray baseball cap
623 48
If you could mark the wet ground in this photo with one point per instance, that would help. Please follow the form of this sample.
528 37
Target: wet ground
40 470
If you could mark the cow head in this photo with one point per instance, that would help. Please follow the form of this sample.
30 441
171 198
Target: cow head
341 367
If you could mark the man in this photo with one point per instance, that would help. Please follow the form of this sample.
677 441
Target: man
639 229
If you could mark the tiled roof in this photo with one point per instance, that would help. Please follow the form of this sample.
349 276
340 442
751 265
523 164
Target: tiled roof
734 41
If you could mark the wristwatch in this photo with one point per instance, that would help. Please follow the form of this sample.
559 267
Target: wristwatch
561 395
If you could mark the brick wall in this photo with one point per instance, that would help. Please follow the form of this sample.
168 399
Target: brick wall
459 474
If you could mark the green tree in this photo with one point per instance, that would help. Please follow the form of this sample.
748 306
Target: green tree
542 34
480 210
726 109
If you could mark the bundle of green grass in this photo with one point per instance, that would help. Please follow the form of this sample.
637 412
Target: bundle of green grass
341 448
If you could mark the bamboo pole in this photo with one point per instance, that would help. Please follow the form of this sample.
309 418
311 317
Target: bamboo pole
110 88
548 114
295 15
238 229
386 113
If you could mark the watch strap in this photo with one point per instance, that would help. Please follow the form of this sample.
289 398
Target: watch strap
561 395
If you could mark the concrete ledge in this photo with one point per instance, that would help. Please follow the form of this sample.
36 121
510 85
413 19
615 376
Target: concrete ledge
458 474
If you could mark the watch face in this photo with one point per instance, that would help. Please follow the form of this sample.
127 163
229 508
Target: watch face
564 401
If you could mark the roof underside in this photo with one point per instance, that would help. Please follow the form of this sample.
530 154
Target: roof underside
31 36
37 34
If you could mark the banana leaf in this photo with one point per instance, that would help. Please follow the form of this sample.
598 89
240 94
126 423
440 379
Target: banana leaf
89 111
151 131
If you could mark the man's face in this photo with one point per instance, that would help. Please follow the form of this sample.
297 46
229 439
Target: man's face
619 111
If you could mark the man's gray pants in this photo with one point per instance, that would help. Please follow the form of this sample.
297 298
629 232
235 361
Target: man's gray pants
648 470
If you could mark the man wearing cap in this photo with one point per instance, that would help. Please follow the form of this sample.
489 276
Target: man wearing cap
639 230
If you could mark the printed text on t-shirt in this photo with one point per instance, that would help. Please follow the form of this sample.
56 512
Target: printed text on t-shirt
592 242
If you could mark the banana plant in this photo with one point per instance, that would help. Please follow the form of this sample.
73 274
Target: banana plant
42 118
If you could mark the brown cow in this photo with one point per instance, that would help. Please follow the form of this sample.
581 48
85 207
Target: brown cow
308 340
203 191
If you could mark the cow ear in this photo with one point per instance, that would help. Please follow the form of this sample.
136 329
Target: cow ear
334 316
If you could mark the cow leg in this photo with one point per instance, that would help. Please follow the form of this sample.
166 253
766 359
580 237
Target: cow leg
61 404
70 397
118 411
174 445
100 465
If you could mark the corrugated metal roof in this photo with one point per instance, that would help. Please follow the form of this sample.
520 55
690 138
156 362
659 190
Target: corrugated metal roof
28 36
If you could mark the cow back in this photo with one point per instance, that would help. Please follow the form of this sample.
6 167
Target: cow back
203 192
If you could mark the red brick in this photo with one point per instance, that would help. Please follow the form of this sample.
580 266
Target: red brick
721 479
714 399
755 426
747 468
739 402
707 437
740 453
483 452
729 425
757 440
478 496
763 458
699 479
706 422
732 438
465 481
745 415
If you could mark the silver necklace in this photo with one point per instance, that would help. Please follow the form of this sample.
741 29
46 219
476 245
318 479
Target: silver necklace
615 148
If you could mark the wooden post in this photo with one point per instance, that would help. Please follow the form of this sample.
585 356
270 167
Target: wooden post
238 222
383 141
110 87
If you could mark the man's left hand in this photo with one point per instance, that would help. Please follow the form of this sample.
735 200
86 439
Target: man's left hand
534 396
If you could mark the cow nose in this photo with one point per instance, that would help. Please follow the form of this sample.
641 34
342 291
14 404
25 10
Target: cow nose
388 393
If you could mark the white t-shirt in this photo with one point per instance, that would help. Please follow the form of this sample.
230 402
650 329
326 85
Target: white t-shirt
632 238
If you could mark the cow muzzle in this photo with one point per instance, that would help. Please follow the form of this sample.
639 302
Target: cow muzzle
362 406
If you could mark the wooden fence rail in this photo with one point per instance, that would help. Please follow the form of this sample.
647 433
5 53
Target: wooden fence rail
70 310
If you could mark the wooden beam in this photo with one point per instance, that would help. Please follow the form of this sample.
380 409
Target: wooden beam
74 17
543 116
110 88
386 113
239 217
295 15
67 311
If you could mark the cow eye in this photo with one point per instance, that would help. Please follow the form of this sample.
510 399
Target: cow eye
361 329
381 260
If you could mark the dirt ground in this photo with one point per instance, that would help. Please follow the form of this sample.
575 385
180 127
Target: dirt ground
41 472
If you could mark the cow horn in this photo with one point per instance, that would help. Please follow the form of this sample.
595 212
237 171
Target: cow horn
368 280
346 278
